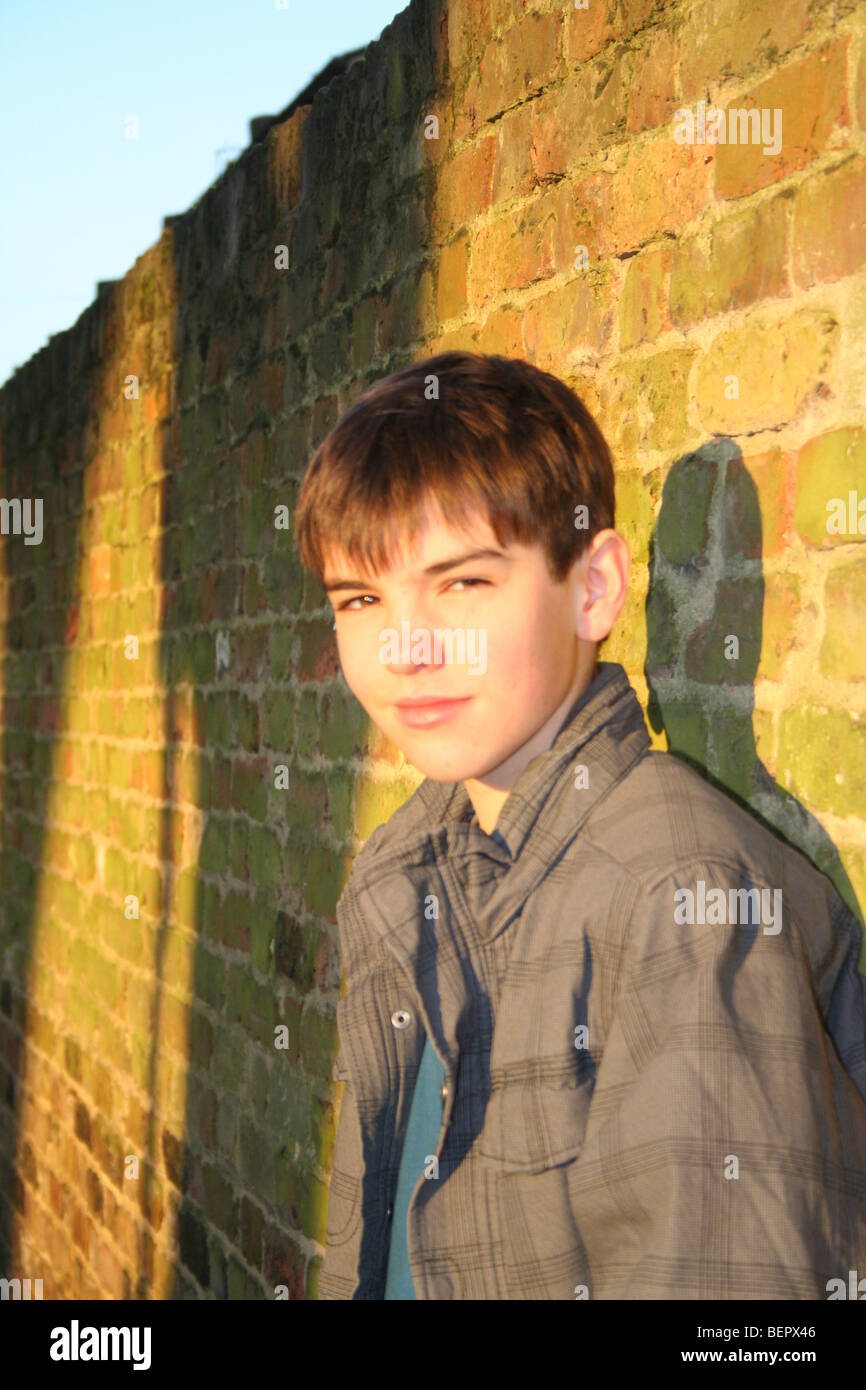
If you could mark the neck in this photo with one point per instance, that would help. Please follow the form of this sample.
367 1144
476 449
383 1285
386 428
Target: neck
489 793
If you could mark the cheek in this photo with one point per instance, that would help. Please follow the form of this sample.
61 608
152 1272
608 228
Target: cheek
527 647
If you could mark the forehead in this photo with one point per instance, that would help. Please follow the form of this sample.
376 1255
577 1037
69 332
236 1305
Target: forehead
435 539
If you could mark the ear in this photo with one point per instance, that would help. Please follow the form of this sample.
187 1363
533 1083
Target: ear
606 567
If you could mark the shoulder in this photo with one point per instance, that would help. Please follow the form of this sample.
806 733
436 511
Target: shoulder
698 862
664 817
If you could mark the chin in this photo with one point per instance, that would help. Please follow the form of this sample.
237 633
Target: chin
459 771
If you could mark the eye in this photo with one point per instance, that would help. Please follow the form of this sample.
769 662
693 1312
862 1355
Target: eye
461 580
343 606
347 606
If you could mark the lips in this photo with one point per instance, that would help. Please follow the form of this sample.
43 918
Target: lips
422 713
424 701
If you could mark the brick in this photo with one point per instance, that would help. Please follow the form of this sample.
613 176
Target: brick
643 306
637 499
451 280
777 368
811 95
686 729
250 785
192 1242
829 467
528 244
108 1271
842 655
682 529
588 30
737 612
652 96
577 317
743 259
502 332
283 1263
463 187
830 224
551 135
646 401
324 880
220 1208
822 759
658 188
783 604
758 504
469 25
627 641
266 856
734 37
732 756
514 67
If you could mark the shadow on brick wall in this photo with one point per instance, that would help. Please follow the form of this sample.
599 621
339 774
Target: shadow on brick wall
706 642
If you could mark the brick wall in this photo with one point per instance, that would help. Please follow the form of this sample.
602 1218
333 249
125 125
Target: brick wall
185 778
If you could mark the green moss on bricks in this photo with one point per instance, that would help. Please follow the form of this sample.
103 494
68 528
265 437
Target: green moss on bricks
228 1068
265 856
341 791
307 736
761 374
323 880
637 498
247 711
262 923
209 978
257 1088
250 790
239 993
284 584
278 719
627 642
829 466
214 847
304 808
239 856
843 651
822 759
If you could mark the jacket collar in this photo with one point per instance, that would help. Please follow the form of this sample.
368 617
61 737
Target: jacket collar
604 730
430 846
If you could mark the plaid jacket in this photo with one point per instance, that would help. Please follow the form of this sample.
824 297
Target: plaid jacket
637 1105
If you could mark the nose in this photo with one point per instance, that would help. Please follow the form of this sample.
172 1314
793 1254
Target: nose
407 643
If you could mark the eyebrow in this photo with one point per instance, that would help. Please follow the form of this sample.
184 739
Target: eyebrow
438 568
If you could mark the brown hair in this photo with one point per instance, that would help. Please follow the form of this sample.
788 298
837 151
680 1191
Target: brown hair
503 437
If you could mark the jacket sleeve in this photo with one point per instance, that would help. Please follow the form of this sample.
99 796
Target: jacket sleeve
725 1151
338 1277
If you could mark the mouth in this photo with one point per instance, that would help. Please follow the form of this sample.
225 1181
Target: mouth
422 713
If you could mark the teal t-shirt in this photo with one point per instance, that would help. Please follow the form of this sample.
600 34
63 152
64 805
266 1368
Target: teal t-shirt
422 1134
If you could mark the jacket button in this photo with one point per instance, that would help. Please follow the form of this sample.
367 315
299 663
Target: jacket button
443 1091
401 1018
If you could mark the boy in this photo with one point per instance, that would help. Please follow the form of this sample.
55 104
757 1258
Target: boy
603 1034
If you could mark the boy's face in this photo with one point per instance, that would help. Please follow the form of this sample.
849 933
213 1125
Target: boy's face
529 646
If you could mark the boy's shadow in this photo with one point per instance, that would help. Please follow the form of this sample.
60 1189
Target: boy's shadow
705 564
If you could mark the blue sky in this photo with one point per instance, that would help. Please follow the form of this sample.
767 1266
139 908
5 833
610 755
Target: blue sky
81 200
